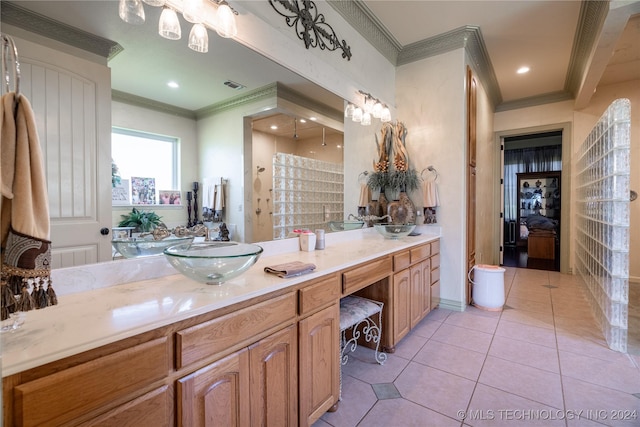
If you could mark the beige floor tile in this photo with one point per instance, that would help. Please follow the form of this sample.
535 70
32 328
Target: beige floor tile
321 423
588 345
410 345
455 360
434 389
534 355
524 381
528 305
532 318
541 296
357 399
438 315
618 374
427 327
601 404
463 337
493 407
474 321
401 412
365 369
527 333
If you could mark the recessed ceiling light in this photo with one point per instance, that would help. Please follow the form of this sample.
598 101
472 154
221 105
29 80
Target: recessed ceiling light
274 127
303 121
173 85
313 118
523 70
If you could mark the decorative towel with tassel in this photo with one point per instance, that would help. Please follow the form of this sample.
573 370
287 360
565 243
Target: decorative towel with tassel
430 201
364 195
24 219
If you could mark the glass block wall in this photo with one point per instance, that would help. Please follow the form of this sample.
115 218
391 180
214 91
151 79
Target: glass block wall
307 193
602 255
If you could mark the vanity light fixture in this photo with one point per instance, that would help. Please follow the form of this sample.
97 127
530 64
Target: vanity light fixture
372 107
203 14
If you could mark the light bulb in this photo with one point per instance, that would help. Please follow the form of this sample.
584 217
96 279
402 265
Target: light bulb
366 119
348 112
169 25
357 115
226 21
193 11
199 39
131 11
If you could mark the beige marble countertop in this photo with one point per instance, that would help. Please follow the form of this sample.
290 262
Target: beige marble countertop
101 314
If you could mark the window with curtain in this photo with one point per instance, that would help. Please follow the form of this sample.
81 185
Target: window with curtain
535 159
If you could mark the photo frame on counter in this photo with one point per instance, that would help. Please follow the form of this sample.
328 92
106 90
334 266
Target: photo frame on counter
120 193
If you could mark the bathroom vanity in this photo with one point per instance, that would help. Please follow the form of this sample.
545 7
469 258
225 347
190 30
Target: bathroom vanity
170 351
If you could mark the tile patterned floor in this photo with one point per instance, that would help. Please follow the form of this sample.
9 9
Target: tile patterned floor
541 361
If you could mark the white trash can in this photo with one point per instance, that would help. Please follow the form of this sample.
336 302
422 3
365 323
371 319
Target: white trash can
488 287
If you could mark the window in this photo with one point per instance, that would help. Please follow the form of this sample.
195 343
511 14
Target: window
142 158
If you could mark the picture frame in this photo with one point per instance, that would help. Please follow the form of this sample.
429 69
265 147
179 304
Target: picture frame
120 194
143 191
170 197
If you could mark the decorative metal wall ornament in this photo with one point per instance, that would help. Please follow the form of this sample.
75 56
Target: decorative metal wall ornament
310 25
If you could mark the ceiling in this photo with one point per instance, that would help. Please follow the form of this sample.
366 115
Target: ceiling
536 33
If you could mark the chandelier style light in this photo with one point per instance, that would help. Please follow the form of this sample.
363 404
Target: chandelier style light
371 108
203 14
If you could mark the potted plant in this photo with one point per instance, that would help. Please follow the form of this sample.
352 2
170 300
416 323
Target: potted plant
143 221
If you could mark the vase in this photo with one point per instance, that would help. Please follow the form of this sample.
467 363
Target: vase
402 210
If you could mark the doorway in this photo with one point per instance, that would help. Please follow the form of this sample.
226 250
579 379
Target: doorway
532 200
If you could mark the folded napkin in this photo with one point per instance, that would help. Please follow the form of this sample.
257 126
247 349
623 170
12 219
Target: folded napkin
290 269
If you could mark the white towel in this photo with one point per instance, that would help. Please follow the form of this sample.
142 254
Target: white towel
218 197
430 197
208 191
364 195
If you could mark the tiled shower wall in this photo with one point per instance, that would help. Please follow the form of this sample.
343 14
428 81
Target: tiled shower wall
307 193
602 256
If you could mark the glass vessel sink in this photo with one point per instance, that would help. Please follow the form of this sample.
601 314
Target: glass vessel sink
135 247
213 263
345 225
394 231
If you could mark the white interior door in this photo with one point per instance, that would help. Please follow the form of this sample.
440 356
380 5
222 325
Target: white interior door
73 117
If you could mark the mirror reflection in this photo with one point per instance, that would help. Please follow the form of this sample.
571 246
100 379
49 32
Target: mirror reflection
222 112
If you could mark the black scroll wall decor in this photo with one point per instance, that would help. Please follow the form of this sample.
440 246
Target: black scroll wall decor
310 25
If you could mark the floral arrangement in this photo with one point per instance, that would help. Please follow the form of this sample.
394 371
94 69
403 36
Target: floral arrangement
380 176
402 178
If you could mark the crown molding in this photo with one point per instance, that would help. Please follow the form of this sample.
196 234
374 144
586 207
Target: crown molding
150 104
283 92
532 101
268 91
592 17
25 19
360 17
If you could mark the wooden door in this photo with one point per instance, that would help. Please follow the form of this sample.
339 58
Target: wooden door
402 307
217 394
73 118
273 365
319 359
471 174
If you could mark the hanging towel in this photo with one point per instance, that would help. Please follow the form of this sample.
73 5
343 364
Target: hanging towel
208 191
430 197
24 219
364 195
218 197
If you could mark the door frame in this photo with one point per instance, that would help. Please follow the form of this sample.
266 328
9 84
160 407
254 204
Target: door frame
566 245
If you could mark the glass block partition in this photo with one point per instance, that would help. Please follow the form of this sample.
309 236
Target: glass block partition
307 193
602 250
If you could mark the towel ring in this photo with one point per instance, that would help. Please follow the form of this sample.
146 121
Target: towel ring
430 169
10 52
363 174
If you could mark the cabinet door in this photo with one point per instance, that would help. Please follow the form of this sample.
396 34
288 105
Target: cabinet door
402 308
319 359
417 292
425 269
273 363
217 394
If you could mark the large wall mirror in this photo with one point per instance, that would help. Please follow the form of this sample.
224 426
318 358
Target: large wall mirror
147 62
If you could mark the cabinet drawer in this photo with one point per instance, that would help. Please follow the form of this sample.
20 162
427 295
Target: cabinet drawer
435 274
435 247
361 277
208 338
420 253
66 395
401 261
319 293
435 261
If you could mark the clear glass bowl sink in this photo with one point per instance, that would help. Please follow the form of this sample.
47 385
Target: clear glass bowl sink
394 231
135 247
345 225
213 263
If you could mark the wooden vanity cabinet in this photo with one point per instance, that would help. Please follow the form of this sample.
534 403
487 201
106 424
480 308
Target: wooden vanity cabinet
319 348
